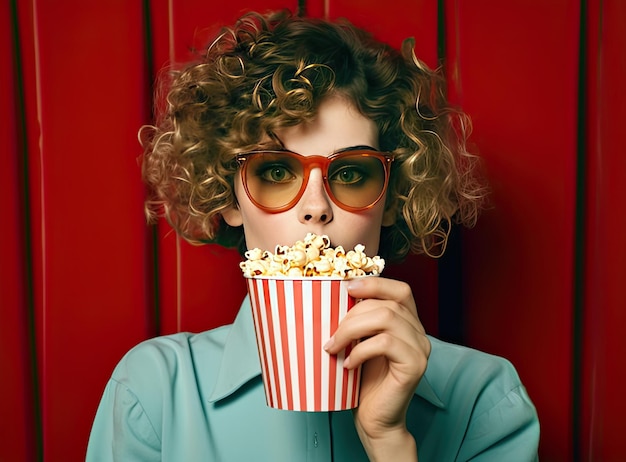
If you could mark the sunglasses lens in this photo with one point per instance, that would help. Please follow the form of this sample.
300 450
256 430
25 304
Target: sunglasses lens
357 180
274 180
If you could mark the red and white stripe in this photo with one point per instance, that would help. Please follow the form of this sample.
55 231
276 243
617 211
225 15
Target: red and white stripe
293 319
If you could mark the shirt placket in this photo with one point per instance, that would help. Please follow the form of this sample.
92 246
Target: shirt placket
318 437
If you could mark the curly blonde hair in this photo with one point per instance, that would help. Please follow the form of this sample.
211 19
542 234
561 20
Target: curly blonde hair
272 71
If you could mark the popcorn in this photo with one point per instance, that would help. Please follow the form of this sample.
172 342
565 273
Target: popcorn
311 257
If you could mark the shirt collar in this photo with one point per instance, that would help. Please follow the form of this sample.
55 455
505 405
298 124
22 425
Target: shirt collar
240 361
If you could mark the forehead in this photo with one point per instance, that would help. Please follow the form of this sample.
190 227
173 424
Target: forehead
336 126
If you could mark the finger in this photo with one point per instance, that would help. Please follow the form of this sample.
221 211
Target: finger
382 289
386 317
407 358
367 306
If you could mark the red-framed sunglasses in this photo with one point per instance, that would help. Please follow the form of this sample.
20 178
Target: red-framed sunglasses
355 178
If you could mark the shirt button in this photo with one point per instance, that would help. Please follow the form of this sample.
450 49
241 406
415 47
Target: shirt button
315 442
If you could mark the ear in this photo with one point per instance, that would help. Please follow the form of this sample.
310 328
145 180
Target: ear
389 216
232 216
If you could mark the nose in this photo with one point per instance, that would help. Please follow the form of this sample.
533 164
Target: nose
315 205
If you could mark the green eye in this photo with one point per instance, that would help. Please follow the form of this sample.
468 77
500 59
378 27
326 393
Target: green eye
349 175
275 173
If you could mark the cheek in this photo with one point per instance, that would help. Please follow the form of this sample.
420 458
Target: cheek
265 231
261 229
362 228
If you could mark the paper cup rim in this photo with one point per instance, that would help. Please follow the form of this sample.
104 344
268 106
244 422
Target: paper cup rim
310 278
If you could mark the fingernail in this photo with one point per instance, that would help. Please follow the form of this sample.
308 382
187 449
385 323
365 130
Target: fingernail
354 284
346 363
329 344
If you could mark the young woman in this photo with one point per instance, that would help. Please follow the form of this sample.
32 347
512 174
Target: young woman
231 161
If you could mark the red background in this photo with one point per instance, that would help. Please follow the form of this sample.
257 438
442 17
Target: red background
83 279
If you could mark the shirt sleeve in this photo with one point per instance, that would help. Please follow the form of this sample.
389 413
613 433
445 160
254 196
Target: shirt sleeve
121 430
507 431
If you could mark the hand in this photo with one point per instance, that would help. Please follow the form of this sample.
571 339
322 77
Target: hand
394 352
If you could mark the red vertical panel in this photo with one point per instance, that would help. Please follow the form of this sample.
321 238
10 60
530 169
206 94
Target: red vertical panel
17 433
316 8
407 18
514 69
84 85
603 373
200 287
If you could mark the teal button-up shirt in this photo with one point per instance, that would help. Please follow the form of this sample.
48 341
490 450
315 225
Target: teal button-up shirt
199 397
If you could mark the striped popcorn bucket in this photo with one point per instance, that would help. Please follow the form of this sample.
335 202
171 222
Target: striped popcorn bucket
293 319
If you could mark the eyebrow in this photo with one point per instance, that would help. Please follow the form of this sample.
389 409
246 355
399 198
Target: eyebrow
356 148
338 151
359 147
